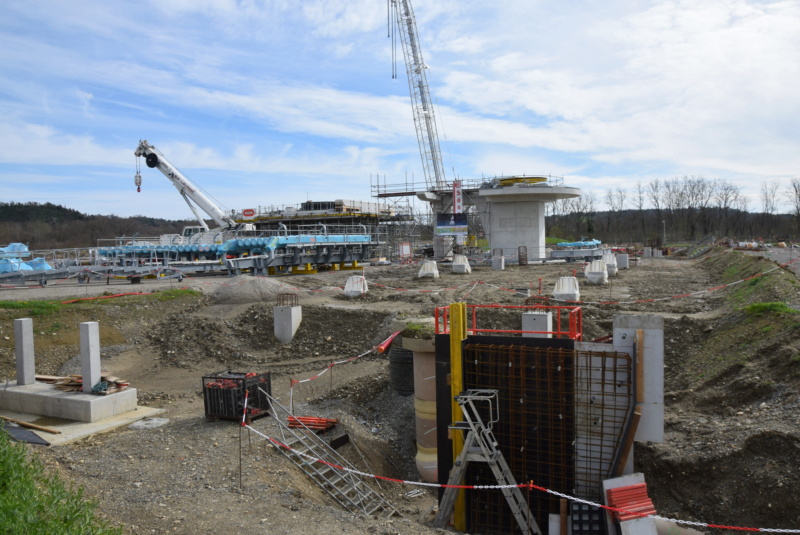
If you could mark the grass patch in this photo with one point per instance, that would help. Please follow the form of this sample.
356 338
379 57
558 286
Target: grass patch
32 501
32 308
760 309
423 331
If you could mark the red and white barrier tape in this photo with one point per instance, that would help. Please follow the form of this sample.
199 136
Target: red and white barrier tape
522 486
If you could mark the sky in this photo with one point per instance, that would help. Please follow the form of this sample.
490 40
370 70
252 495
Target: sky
274 102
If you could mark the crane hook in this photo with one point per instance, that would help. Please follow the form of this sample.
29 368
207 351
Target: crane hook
137 180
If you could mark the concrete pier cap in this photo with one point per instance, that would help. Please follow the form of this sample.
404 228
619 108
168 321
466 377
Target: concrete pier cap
513 216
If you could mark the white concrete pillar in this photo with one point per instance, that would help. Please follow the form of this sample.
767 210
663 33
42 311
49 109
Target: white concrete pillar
90 354
287 321
542 322
622 261
23 342
498 263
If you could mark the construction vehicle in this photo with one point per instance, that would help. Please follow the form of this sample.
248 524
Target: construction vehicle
155 159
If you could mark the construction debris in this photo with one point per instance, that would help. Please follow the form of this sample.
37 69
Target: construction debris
108 384
312 422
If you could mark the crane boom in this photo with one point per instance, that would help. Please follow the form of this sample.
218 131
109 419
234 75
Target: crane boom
155 159
424 118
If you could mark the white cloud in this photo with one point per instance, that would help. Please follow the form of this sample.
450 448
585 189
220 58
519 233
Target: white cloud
276 88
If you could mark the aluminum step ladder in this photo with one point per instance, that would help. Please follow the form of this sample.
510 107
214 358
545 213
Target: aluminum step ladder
306 449
481 446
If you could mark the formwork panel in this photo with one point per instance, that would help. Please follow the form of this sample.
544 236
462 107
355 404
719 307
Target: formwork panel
535 431
562 413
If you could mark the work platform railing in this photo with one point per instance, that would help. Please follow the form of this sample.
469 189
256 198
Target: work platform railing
567 321
409 188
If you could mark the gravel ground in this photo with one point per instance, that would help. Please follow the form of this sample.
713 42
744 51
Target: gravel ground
727 433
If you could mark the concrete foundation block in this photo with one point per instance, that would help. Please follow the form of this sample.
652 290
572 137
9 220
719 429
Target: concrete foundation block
461 264
45 400
428 269
596 273
287 320
567 289
498 263
356 286
611 263
623 261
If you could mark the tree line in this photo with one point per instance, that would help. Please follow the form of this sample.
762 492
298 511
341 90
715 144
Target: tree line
51 226
685 208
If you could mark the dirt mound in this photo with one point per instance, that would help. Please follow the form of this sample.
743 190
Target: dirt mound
324 332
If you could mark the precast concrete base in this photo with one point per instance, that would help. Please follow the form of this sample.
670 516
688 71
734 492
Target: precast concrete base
45 399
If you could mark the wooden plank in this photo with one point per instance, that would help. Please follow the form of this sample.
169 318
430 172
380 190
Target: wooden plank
639 365
32 426
48 378
627 444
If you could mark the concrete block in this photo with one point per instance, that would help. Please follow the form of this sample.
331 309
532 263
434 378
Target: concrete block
428 269
461 264
23 343
611 263
567 289
356 286
90 354
638 526
498 263
539 322
596 273
623 261
287 320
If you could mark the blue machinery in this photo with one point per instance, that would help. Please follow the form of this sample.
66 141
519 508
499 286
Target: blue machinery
258 255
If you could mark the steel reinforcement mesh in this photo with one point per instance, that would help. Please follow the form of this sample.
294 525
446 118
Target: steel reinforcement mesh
560 415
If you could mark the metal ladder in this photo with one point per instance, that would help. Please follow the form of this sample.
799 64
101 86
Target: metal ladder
481 446
305 449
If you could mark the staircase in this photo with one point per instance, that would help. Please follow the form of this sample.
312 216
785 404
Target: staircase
481 446
327 468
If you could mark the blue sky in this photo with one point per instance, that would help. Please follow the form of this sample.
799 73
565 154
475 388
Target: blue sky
274 102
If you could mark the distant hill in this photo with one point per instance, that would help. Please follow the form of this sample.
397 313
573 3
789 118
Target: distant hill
51 226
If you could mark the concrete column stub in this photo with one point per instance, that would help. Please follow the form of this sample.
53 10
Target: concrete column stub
287 320
90 354
540 322
23 342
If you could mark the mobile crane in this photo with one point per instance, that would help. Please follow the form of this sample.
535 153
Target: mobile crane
155 159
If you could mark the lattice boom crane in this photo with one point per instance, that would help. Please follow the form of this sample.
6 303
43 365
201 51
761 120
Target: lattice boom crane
424 118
